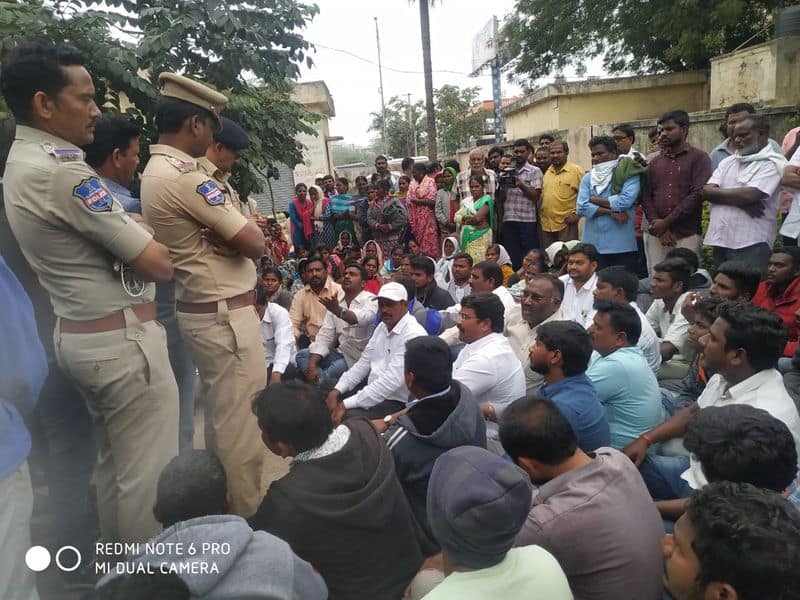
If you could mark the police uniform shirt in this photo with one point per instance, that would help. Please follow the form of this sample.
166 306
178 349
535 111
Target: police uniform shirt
70 226
210 169
178 201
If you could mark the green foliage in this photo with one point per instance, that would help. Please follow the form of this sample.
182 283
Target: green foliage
250 51
456 118
344 154
642 36
404 123
456 121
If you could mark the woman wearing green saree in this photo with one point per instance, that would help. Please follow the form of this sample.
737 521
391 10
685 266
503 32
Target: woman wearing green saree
476 219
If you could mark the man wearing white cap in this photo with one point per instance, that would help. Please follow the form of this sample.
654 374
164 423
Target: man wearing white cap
383 361
211 244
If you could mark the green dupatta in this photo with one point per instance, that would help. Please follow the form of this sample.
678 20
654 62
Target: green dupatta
468 233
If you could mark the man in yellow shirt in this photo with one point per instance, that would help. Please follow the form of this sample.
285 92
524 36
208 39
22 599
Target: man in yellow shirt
558 219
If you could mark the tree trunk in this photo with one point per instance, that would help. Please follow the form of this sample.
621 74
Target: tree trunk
425 28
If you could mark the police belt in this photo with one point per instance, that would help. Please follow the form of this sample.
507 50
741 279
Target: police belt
144 312
240 301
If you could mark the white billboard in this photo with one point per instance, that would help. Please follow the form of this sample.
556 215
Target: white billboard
483 45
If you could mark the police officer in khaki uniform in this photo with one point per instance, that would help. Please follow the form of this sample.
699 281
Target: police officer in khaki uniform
211 244
220 158
74 233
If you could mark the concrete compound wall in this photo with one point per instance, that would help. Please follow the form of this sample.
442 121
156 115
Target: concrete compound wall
703 133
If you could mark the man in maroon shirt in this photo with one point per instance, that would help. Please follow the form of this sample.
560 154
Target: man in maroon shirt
780 293
672 196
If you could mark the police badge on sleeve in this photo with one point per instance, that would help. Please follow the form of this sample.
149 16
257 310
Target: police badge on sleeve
95 197
211 192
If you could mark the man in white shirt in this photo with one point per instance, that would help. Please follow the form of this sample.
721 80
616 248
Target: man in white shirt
668 286
743 192
276 335
791 183
344 334
579 284
617 284
540 303
486 276
742 348
487 365
382 362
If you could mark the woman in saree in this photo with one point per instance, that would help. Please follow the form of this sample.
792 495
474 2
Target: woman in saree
321 216
421 201
391 266
278 248
476 218
446 201
386 217
300 218
497 253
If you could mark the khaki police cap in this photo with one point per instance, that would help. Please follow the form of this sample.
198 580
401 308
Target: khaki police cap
194 92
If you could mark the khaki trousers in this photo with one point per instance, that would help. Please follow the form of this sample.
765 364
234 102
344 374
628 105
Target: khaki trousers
130 391
227 349
17 581
656 253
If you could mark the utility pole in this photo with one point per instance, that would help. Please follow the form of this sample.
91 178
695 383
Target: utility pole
412 129
380 89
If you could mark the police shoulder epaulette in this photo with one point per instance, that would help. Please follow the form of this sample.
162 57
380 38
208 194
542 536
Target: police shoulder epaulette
184 166
63 154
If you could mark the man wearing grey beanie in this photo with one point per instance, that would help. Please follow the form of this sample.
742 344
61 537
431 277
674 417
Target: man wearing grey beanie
477 503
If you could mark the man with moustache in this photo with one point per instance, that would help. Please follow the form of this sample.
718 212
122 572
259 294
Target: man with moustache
743 192
673 191
540 304
558 219
382 363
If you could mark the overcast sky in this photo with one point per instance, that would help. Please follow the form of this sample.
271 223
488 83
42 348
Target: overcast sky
349 25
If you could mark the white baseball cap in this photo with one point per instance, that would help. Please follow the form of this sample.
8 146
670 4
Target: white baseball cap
393 291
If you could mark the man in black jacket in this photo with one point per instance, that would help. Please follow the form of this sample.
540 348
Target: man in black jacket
428 293
340 507
443 415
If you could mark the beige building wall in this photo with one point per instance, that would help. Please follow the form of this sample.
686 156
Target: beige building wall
576 104
765 74
315 97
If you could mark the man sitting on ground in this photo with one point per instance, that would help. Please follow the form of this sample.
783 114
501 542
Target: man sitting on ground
735 280
742 348
443 415
192 507
585 506
579 284
617 284
735 541
276 335
456 280
693 384
540 304
486 276
624 381
668 286
487 365
381 363
561 354
780 293
340 507
477 503
428 293
344 334
737 443
308 312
